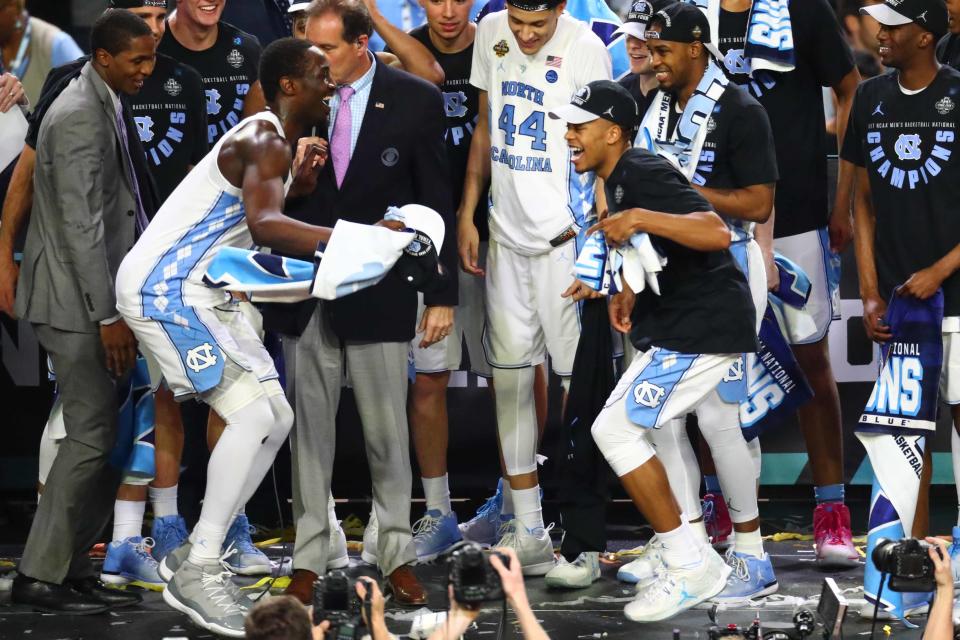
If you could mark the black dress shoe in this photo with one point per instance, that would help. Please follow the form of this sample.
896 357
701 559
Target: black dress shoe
96 590
53 598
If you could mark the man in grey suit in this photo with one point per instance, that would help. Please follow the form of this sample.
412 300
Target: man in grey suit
86 215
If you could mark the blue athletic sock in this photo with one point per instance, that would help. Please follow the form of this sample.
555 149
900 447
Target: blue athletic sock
828 493
713 485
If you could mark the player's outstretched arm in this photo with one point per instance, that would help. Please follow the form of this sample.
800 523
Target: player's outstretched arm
265 162
413 56
700 231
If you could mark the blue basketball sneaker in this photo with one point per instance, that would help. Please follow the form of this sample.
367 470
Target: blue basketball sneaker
483 527
239 552
129 560
169 533
434 533
751 577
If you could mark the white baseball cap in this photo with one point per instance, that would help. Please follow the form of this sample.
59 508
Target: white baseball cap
297 7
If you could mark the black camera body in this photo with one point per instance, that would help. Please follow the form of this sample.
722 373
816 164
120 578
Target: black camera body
334 600
908 564
473 579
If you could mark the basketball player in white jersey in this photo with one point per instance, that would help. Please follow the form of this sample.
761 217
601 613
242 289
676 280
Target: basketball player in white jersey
195 340
525 58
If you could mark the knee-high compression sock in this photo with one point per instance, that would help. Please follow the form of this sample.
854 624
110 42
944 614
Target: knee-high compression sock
720 426
228 476
516 419
756 455
267 452
680 462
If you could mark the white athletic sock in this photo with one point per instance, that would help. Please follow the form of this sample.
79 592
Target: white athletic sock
527 503
699 530
437 493
679 548
332 513
507 492
127 518
164 501
750 543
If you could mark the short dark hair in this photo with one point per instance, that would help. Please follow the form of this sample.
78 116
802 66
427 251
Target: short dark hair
286 57
354 14
279 618
114 30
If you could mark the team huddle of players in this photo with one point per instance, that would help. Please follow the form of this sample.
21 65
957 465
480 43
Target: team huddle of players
685 192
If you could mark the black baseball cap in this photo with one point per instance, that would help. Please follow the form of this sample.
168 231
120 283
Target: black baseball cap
600 99
639 15
679 22
534 5
137 4
928 14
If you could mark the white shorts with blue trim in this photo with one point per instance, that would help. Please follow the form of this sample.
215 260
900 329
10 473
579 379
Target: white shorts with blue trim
468 327
247 371
525 313
811 252
658 386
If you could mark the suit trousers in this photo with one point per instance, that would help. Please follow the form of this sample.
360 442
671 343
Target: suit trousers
81 487
316 363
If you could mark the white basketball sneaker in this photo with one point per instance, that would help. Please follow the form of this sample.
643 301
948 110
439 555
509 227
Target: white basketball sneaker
534 547
675 590
580 573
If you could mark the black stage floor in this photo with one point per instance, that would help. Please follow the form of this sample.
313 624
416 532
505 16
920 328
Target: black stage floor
566 615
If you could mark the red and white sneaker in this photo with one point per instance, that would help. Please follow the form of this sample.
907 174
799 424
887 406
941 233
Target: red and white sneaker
716 517
832 536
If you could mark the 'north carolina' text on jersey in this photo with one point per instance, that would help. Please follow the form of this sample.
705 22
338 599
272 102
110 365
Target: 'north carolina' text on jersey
535 192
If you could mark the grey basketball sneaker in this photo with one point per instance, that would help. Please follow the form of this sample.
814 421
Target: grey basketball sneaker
172 561
209 597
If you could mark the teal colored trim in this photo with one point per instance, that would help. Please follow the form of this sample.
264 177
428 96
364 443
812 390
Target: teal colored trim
942 468
782 468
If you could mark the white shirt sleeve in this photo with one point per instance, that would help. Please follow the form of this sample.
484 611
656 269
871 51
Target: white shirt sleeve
592 61
480 67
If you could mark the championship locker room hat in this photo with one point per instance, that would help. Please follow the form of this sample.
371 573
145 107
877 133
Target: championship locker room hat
600 99
928 14
534 5
640 13
679 22
137 4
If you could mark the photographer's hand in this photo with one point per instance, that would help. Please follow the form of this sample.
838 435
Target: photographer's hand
940 620
320 630
512 580
378 624
459 619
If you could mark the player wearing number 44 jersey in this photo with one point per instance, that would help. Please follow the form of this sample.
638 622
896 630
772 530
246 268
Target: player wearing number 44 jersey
526 58
902 138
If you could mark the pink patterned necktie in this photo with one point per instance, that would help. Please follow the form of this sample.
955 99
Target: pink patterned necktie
340 145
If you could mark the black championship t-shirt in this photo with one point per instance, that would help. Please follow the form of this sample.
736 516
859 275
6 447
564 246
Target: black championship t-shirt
460 103
169 112
948 50
704 304
738 151
908 144
794 104
228 68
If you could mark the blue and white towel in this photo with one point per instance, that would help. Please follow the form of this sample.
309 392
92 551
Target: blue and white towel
768 42
682 149
604 268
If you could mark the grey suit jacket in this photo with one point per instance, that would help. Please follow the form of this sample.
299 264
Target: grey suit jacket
83 219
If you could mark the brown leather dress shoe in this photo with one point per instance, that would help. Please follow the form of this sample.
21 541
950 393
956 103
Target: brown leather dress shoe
301 586
406 589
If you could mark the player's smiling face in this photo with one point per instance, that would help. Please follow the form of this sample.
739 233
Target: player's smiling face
670 61
588 143
533 29
155 18
900 44
639 55
447 18
202 12
317 85
953 12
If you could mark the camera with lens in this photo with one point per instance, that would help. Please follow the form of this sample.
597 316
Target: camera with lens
334 599
473 578
908 564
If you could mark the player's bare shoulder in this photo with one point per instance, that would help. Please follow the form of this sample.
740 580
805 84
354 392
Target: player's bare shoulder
255 143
